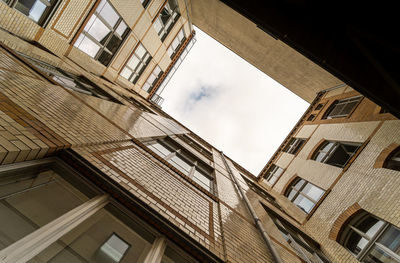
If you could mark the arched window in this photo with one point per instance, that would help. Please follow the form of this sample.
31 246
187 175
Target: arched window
304 194
393 161
335 153
342 108
371 239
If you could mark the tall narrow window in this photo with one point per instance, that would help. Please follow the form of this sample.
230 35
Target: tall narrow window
167 19
371 239
103 34
145 3
273 174
152 79
39 11
294 145
184 161
136 64
335 153
176 43
393 162
304 194
342 108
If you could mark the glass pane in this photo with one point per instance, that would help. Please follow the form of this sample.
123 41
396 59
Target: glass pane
313 191
320 156
105 58
369 225
304 203
99 30
133 62
121 28
126 73
157 70
161 149
171 255
202 179
180 164
391 239
291 194
24 6
114 44
28 203
109 14
88 46
338 157
37 11
355 243
102 238
299 184
378 255
140 51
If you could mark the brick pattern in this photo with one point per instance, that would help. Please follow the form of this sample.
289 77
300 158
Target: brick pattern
342 219
382 157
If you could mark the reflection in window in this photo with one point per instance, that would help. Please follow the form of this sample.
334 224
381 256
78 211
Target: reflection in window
273 174
393 162
176 43
114 248
342 108
166 19
152 79
184 161
103 34
335 153
294 145
303 194
39 11
136 64
371 239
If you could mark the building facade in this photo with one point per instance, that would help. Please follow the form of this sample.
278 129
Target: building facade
92 170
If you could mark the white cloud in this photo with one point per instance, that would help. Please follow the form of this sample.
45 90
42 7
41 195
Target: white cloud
231 104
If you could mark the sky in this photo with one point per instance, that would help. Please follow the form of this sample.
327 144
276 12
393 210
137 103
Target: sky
231 104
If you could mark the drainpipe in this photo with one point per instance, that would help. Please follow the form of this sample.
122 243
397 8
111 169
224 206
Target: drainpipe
264 234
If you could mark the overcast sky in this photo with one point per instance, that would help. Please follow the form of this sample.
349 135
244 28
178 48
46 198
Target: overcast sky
231 104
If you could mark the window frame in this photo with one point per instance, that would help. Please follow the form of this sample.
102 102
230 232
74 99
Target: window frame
348 229
157 78
271 173
143 61
392 160
294 145
342 103
298 192
44 19
332 150
112 32
158 19
170 50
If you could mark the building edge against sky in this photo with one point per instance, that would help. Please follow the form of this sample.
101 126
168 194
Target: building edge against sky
92 170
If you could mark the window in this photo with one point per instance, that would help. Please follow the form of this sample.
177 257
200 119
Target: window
166 19
371 239
335 153
311 117
71 81
114 248
184 161
39 11
176 43
261 192
393 162
319 106
103 34
304 194
136 64
145 3
294 145
305 246
273 174
152 79
342 108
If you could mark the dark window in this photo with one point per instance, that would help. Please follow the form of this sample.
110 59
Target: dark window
294 145
304 194
167 19
371 239
152 79
196 146
311 117
393 162
145 3
273 174
176 43
342 108
184 161
335 153
136 64
383 110
103 34
319 106
39 11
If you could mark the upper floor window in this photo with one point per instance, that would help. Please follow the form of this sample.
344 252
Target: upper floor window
304 194
103 34
136 64
371 239
152 79
273 173
393 162
39 11
145 3
335 153
184 161
167 19
294 145
342 108
176 43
